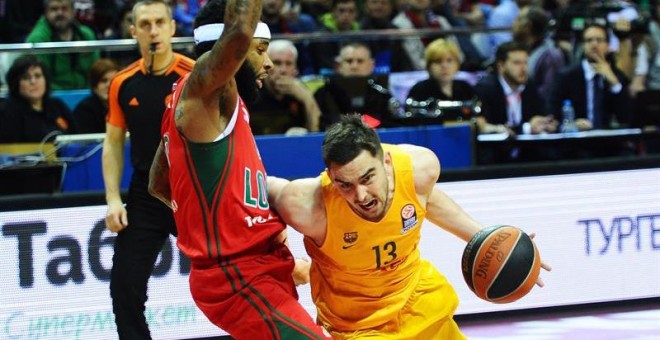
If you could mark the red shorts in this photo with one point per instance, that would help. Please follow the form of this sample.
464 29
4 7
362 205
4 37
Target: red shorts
254 299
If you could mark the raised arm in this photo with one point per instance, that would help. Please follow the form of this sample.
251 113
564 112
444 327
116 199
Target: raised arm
210 95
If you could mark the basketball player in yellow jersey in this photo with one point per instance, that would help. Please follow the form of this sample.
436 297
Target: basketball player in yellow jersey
361 220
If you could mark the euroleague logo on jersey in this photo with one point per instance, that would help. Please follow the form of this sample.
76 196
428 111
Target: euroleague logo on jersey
408 218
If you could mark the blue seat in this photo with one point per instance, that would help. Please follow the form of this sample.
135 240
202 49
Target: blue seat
71 97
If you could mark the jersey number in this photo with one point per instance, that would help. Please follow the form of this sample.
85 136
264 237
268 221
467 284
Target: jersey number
389 249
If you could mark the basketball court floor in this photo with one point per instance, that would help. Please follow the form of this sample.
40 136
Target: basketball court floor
623 320
638 320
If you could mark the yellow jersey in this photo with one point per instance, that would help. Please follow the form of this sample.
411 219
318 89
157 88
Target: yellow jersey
365 272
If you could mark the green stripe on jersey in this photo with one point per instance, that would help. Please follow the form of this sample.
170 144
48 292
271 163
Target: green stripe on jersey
210 159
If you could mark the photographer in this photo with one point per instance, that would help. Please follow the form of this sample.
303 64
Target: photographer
621 16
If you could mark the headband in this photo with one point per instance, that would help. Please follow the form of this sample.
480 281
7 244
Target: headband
212 32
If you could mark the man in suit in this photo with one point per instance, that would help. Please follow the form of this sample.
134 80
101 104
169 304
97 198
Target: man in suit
595 86
355 64
509 101
511 104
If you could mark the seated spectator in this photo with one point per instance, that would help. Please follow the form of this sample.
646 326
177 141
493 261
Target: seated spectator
17 18
69 70
652 79
595 86
121 29
503 16
465 13
184 15
418 15
374 101
285 105
315 8
545 59
95 14
443 60
388 53
31 115
343 17
509 100
291 21
91 112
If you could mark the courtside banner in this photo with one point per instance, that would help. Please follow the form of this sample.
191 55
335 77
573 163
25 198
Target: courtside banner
54 280
599 231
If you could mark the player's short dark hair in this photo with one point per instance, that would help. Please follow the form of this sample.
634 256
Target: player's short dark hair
345 140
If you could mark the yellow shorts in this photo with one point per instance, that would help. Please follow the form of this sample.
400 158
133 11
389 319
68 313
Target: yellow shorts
427 315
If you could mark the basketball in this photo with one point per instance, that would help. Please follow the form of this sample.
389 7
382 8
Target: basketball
501 264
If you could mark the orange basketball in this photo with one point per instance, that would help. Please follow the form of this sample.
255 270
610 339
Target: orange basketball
501 264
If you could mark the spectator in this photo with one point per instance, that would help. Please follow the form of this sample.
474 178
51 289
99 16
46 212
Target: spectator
184 15
509 100
545 59
503 16
465 14
443 59
418 15
595 86
69 70
136 101
645 74
315 8
121 29
91 112
653 76
31 115
388 53
355 63
291 21
286 105
342 18
95 14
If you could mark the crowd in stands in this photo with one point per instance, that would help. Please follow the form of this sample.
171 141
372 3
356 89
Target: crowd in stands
599 55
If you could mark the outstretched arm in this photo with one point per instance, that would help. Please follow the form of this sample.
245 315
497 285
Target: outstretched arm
441 210
447 214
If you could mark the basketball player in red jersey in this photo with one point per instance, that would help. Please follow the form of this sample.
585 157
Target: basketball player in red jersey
208 170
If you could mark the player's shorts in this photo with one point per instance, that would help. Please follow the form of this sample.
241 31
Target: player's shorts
254 299
427 315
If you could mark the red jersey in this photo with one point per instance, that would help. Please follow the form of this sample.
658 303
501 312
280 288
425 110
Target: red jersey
219 191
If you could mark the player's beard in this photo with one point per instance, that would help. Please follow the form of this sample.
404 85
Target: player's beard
246 83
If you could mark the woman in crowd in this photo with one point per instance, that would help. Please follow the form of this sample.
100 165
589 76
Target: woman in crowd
90 113
443 60
31 115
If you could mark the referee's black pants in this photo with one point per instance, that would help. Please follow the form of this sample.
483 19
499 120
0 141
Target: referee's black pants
136 248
